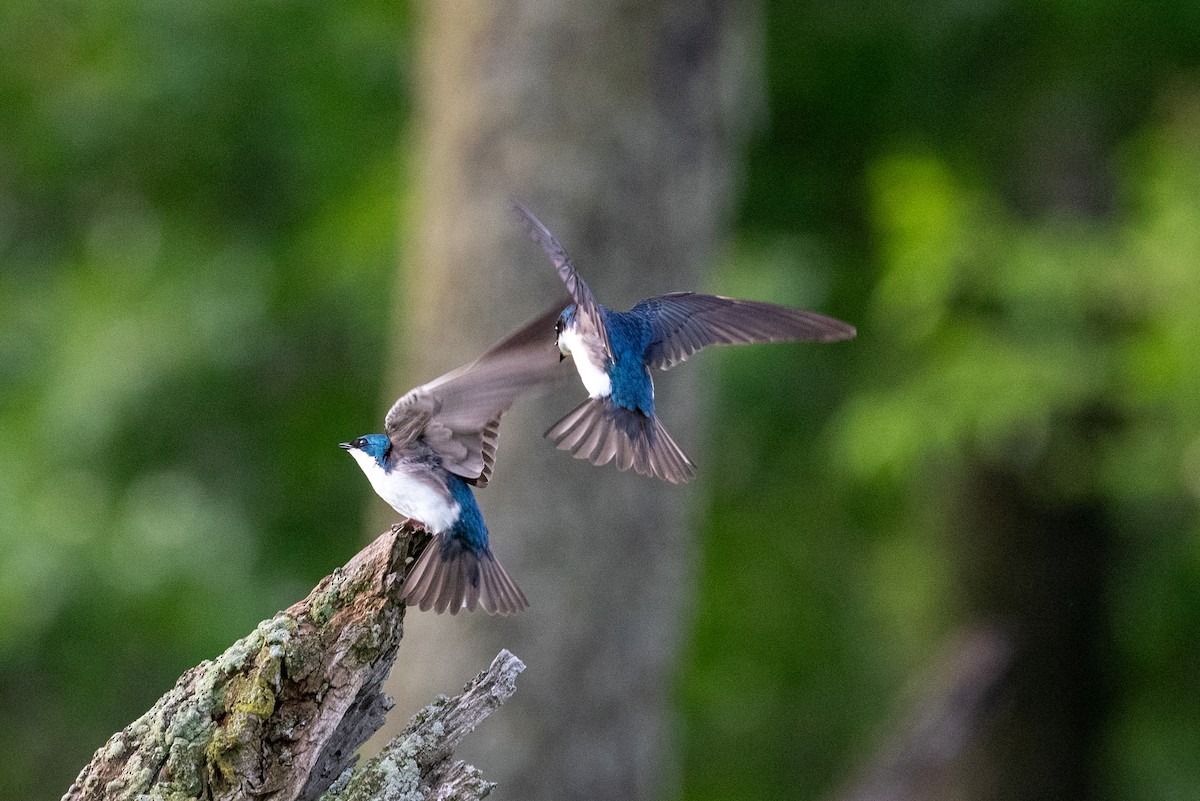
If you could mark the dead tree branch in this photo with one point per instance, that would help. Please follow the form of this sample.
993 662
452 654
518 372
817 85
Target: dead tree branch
419 759
281 714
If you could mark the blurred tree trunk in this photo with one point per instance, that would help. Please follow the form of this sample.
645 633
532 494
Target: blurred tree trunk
619 124
1041 565
1035 551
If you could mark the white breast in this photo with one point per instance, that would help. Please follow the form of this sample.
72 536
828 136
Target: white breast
595 378
409 496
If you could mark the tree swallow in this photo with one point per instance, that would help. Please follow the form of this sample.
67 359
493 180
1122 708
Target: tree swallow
614 351
441 440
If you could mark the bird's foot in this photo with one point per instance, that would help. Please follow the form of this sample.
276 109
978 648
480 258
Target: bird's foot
410 523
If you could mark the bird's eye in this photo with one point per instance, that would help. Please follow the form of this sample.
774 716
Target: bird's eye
361 442
558 326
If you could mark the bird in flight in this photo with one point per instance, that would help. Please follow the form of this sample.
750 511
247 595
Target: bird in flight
440 441
614 351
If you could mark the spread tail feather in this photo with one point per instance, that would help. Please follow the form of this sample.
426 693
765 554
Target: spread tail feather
449 577
600 431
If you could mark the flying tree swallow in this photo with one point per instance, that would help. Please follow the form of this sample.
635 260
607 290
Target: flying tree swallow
440 441
614 351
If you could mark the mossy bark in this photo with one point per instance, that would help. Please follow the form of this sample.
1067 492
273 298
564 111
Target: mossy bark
281 714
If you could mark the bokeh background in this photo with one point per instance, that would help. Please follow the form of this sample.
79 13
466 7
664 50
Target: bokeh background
205 213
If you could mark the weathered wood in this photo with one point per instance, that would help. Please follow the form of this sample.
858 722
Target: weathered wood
417 763
280 715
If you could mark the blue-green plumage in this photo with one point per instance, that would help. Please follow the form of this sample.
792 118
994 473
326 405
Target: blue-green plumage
469 529
615 351
379 447
629 335
440 441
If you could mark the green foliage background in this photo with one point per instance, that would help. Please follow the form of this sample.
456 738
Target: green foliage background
199 206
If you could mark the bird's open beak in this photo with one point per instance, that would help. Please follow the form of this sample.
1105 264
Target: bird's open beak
345 446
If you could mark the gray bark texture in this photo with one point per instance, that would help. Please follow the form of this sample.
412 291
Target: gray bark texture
281 714
417 764
619 124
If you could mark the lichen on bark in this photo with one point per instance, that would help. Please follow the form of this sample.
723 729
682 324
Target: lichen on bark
417 763
281 713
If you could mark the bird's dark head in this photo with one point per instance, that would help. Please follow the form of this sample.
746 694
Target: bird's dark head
566 321
374 445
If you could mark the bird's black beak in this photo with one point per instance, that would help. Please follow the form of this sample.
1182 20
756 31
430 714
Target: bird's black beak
345 446
561 357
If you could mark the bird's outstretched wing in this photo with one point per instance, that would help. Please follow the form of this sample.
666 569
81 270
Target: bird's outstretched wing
588 311
458 414
684 322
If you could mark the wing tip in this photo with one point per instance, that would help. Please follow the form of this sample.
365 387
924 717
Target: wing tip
534 227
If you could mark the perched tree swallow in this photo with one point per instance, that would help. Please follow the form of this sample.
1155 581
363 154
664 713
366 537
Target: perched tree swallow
440 441
614 351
